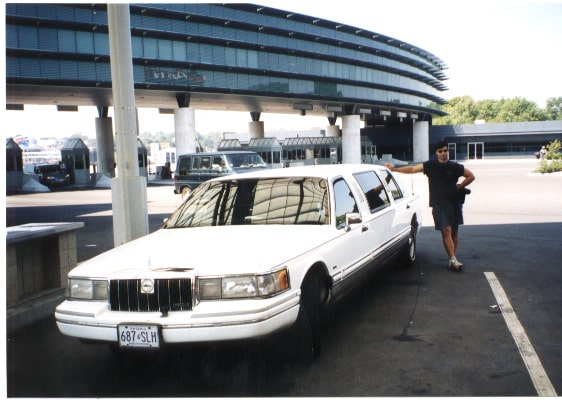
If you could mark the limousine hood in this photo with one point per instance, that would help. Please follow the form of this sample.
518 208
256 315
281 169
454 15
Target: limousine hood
208 250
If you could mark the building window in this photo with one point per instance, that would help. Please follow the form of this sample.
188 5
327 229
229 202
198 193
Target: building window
179 51
164 49
241 58
48 39
219 56
230 57
252 59
150 48
206 53
67 41
192 50
101 43
85 42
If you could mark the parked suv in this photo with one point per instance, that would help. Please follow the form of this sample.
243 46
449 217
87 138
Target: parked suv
196 168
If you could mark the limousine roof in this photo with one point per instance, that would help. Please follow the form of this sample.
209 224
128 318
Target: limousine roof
321 171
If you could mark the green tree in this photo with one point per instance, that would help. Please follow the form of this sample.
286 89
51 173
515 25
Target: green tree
553 159
554 107
488 110
464 110
554 150
210 141
460 110
520 110
147 138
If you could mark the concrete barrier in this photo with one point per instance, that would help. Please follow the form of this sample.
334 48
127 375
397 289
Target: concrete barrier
38 258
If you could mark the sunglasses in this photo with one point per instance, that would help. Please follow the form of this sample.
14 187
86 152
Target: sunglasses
443 151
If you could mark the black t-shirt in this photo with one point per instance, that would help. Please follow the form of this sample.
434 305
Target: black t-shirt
443 179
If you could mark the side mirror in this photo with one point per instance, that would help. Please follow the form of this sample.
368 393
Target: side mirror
352 218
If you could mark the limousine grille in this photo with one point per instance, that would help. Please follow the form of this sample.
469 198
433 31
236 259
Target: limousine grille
167 295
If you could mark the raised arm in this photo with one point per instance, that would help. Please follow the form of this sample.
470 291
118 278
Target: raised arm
407 169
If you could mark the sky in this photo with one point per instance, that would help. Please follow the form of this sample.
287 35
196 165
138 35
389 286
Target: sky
494 49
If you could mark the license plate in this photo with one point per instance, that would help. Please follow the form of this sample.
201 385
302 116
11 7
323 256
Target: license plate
143 336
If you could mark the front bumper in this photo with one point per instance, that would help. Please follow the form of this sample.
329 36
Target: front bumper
209 321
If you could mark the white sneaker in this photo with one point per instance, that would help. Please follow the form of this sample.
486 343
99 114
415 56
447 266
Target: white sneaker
454 264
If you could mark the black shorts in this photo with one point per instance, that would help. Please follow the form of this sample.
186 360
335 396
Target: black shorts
448 216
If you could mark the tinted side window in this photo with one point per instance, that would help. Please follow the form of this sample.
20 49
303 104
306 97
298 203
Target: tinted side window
373 189
202 162
218 162
196 162
345 202
395 190
205 163
184 165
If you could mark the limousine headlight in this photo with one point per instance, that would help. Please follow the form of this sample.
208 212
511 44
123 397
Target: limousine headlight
86 289
244 286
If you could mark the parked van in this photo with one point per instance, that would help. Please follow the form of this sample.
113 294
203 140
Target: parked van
196 168
52 175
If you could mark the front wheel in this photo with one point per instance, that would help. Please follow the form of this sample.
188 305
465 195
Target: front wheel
307 332
185 192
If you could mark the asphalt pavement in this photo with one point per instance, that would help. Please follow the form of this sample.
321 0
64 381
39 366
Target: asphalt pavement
423 331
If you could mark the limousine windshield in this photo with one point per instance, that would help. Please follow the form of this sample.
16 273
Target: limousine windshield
267 201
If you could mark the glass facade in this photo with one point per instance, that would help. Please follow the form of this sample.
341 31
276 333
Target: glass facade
228 48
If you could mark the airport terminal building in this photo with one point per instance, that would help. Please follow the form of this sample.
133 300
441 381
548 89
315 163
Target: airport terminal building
240 57
378 93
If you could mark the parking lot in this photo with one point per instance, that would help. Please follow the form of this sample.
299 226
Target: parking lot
421 331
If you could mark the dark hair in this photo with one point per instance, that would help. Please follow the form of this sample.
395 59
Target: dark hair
439 145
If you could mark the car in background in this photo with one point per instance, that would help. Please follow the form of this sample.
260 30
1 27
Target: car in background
52 175
195 168
246 256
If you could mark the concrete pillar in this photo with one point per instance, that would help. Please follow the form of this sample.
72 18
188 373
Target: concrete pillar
128 190
256 129
333 131
421 141
184 124
104 140
351 139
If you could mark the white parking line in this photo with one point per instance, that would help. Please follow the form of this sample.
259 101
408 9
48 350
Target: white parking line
530 358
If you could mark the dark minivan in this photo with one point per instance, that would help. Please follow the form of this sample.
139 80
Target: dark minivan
52 175
195 168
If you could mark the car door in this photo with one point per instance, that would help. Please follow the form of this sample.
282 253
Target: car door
351 248
402 204
381 214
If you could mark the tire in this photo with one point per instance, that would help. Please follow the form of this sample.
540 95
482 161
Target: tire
307 333
185 192
409 255
301 342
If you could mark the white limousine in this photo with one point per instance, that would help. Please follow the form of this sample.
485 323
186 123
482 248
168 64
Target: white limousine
246 256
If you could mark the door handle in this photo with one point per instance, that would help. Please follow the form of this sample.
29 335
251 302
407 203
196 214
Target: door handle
364 228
